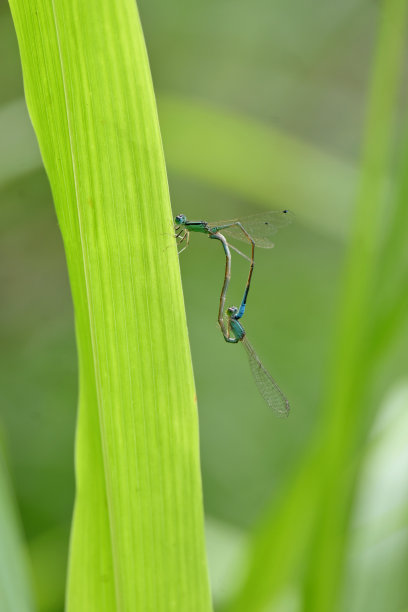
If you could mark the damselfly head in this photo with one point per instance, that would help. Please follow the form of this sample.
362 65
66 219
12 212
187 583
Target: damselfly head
180 219
232 311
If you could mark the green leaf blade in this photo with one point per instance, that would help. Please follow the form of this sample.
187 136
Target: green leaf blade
137 539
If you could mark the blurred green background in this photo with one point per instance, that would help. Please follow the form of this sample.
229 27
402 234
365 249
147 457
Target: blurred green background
262 105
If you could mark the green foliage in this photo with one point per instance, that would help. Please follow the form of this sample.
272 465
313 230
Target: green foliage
137 537
260 105
324 487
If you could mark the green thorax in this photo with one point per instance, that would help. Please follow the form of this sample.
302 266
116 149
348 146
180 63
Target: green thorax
197 226
236 329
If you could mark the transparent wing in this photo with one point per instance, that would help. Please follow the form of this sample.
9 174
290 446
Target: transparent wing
239 252
260 227
267 387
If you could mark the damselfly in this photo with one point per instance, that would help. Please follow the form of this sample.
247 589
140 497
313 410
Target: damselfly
255 229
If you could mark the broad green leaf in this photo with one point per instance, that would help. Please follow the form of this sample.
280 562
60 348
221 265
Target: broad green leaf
137 539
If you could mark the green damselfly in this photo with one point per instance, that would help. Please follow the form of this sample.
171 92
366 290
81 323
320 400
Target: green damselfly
267 387
255 229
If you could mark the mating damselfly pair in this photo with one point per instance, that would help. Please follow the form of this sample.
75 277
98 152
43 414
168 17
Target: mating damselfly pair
256 230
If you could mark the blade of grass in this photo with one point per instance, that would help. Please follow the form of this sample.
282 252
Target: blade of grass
137 540
388 312
348 386
310 524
